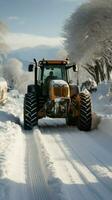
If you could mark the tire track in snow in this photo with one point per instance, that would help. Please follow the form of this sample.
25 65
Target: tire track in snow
87 193
65 170
37 186
83 171
85 157
101 189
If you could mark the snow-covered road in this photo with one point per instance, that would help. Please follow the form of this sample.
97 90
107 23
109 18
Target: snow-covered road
81 161
55 161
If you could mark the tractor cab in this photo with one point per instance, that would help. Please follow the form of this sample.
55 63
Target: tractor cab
47 70
57 67
51 70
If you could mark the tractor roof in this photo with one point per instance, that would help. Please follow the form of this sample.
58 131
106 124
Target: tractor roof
53 62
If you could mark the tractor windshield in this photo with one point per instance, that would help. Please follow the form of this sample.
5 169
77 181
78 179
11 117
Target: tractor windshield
55 72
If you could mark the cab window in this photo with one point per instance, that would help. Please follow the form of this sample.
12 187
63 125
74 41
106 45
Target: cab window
57 71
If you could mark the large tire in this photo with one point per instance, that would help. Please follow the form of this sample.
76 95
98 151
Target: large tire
30 111
85 118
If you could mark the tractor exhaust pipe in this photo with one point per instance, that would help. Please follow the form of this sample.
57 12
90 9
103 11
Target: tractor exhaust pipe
35 72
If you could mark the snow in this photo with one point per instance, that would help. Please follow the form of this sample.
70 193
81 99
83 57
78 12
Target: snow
3 90
59 82
75 164
12 149
78 164
102 99
2 80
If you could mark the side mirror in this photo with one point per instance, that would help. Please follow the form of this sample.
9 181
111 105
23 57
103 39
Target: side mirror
30 68
74 68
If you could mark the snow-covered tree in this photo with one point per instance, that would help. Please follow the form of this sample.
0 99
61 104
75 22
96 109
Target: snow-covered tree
88 34
3 46
16 77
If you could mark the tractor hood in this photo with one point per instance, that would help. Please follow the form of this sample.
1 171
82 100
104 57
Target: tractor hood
59 88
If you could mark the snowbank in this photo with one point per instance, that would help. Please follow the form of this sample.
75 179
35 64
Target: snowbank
3 90
12 149
102 99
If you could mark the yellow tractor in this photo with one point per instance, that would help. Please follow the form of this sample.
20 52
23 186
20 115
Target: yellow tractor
54 96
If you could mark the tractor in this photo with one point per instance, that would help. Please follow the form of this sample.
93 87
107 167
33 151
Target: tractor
53 95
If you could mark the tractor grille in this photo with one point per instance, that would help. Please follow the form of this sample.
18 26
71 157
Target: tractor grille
59 88
61 91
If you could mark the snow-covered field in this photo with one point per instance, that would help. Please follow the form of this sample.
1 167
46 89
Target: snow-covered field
55 161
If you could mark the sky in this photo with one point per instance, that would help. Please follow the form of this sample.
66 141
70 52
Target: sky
36 22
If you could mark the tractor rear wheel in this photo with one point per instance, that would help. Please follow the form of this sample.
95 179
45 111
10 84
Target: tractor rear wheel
30 111
85 118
